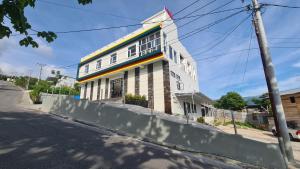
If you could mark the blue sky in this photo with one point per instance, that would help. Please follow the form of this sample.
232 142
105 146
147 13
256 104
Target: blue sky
216 76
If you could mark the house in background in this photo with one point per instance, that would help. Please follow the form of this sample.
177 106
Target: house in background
291 104
150 61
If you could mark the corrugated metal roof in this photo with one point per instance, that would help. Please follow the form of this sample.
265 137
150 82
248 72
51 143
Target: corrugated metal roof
291 91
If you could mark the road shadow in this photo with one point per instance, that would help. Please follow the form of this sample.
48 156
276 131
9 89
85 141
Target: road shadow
29 140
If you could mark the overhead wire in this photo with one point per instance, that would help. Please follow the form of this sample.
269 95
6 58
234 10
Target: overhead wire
280 5
189 5
248 55
226 35
205 27
200 16
85 10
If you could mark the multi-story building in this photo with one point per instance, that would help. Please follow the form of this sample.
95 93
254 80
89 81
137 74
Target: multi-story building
152 62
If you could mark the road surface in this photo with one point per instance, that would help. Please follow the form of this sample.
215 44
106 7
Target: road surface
31 139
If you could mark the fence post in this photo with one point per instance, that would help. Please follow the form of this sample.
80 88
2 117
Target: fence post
233 121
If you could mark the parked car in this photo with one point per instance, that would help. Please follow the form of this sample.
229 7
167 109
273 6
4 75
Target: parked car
293 128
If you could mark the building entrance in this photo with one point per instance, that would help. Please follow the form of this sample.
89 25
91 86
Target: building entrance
116 88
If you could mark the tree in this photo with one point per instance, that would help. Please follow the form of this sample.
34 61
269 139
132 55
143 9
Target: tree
264 102
231 101
13 10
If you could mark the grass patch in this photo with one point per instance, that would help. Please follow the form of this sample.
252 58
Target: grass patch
240 124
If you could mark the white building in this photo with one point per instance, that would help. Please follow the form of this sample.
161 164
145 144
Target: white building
65 81
152 62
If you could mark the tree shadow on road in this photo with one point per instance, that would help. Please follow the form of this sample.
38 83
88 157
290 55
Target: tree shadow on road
29 140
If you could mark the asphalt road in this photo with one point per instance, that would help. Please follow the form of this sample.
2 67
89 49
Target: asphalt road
31 139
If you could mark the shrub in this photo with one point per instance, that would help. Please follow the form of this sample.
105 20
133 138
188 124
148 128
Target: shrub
35 96
21 81
136 100
200 120
217 122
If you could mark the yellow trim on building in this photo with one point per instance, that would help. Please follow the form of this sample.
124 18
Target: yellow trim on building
123 40
124 68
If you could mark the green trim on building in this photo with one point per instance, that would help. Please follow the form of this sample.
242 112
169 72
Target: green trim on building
120 65
154 29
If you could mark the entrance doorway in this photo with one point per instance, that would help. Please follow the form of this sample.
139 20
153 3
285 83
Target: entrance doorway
116 88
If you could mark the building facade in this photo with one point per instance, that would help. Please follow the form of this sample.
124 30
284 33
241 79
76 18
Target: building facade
291 104
152 62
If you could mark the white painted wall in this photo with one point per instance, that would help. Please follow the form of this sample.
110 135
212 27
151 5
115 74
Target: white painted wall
158 87
82 87
122 56
188 74
102 89
88 91
144 81
131 82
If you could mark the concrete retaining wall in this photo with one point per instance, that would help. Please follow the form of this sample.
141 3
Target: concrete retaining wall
167 131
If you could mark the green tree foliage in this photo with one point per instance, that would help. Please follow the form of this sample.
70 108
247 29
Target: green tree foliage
231 101
21 81
264 102
13 11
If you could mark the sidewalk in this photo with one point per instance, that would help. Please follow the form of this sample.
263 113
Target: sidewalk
262 136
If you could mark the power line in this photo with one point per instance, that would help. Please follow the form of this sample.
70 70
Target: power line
280 5
226 35
130 25
248 54
200 16
76 8
186 7
202 28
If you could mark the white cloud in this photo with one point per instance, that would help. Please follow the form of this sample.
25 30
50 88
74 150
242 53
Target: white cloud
43 49
10 69
297 64
11 44
287 84
6 44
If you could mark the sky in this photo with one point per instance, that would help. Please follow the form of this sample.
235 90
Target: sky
225 67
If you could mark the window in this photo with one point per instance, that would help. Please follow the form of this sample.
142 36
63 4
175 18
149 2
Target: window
178 85
175 56
132 51
86 69
113 58
98 64
165 42
150 43
181 59
194 108
177 77
292 99
172 74
170 52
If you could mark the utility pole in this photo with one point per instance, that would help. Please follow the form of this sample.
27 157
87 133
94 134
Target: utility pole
27 87
274 94
41 69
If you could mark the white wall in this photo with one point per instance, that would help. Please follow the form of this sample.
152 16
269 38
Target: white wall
88 91
188 75
158 87
130 82
144 81
122 56
82 88
102 90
